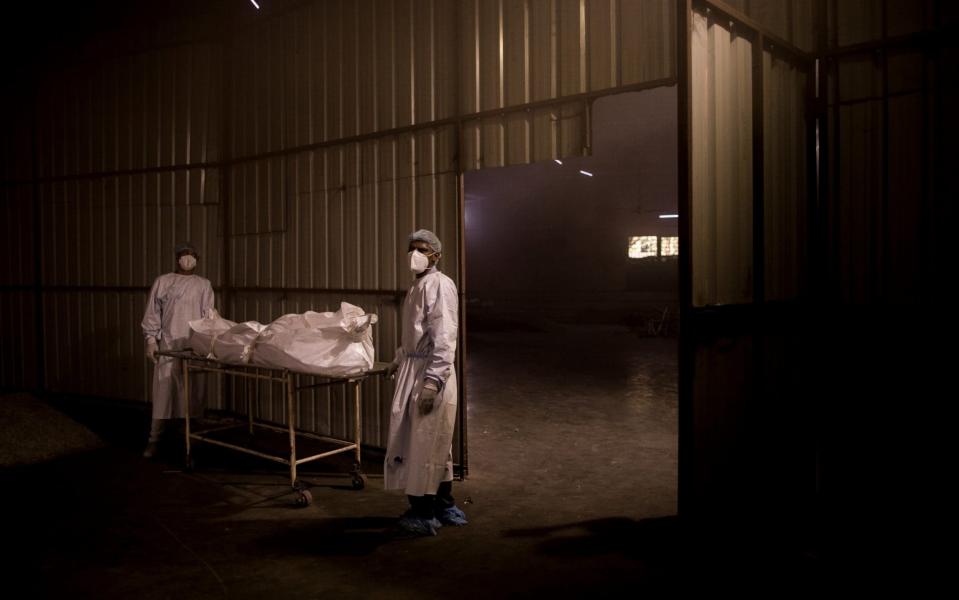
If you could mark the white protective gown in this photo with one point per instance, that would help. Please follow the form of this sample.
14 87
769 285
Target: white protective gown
419 451
174 301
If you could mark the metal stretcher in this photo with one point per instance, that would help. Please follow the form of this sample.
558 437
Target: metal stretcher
192 363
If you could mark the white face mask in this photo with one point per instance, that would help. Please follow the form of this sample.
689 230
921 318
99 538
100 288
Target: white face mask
187 262
418 261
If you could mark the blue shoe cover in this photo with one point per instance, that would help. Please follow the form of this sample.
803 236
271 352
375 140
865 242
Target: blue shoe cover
418 525
451 516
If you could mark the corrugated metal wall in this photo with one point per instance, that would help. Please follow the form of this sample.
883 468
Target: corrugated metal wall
149 110
793 21
298 150
888 190
126 166
750 114
817 387
18 349
882 116
722 163
517 53
723 166
333 70
348 132
786 122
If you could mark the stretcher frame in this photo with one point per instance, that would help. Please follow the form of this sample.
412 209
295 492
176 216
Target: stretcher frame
190 362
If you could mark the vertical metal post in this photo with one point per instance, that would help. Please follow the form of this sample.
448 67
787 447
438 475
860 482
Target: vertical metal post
684 201
461 355
225 187
883 286
755 329
833 235
461 245
811 108
357 421
759 190
249 403
289 420
818 267
186 400
931 67
37 252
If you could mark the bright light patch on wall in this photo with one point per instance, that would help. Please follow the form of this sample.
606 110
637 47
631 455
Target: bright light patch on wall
255 4
668 216
669 246
642 246
557 161
586 173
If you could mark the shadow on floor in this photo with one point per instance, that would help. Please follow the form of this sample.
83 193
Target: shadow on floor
646 539
345 536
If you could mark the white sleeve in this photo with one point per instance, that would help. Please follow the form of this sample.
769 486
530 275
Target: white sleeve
208 301
152 319
442 321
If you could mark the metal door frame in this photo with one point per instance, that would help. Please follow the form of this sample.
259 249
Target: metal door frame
704 321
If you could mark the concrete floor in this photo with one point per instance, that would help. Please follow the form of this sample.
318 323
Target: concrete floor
571 492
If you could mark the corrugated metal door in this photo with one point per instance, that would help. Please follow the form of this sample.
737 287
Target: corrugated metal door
747 126
887 188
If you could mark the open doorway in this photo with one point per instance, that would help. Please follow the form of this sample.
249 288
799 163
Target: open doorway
572 293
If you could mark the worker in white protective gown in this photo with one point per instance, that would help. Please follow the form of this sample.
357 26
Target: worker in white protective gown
419 457
175 299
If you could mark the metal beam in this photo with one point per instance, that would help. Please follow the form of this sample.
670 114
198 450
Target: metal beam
460 119
759 207
769 37
684 11
40 356
911 40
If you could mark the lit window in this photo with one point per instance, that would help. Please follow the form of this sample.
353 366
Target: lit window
642 246
669 246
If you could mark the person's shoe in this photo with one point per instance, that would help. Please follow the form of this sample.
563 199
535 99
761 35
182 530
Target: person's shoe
451 516
151 450
418 525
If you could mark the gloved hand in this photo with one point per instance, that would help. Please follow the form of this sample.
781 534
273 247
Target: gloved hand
391 369
152 349
428 397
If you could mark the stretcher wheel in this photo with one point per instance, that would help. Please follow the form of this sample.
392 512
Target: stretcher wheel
304 498
189 464
299 485
359 481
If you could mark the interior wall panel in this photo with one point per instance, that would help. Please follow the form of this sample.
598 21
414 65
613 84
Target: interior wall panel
148 110
130 159
122 230
524 136
786 202
18 344
722 164
647 40
333 70
17 235
905 219
529 50
855 21
858 205
17 144
99 348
